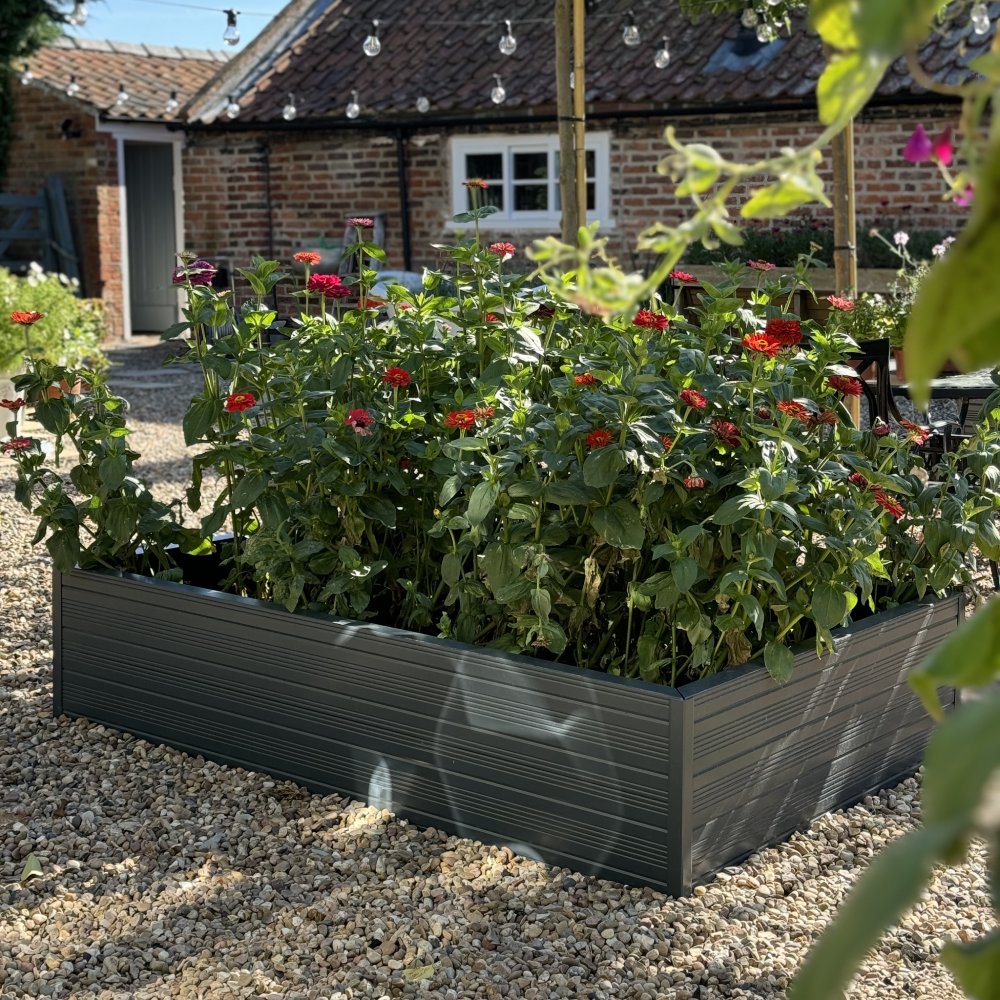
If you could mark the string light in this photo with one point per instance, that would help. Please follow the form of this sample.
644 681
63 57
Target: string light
662 58
72 88
289 111
980 18
749 18
26 75
372 46
232 108
231 36
353 109
630 33
122 97
423 105
172 104
508 43
78 17
498 95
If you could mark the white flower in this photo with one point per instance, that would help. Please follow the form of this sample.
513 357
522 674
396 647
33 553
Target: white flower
940 249
901 239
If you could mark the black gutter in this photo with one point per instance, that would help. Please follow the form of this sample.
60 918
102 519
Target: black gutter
404 197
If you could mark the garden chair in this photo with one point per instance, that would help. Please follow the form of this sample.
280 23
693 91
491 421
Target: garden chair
878 393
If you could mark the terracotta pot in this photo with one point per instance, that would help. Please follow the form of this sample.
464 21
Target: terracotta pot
64 388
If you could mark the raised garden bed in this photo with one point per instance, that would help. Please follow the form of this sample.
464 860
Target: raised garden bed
630 781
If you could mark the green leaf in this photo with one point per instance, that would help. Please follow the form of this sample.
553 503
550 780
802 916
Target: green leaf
273 510
113 471
449 490
451 568
481 503
417 973
248 489
832 21
892 884
378 509
829 605
64 547
602 465
53 415
32 868
566 492
620 525
975 966
779 660
969 657
846 85
541 603
174 331
736 508
200 416
684 572
800 186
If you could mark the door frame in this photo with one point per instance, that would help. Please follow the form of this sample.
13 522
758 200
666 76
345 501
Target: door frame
123 132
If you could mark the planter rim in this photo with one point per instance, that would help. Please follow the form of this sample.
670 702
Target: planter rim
376 630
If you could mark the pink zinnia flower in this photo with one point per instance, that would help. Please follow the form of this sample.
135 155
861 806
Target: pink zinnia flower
760 265
964 197
684 276
325 284
840 304
504 250
199 272
360 420
16 445
694 483
363 221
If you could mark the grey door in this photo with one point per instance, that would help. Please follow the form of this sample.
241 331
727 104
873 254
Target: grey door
152 235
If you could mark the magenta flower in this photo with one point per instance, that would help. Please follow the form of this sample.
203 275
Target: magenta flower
964 197
918 147
941 148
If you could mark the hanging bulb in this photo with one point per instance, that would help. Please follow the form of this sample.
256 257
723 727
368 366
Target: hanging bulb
72 88
498 95
630 33
423 105
78 17
765 33
232 108
172 104
231 36
122 96
662 58
749 18
372 46
289 111
508 43
980 18
353 108
26 75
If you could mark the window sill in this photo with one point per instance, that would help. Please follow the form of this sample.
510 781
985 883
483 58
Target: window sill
491 224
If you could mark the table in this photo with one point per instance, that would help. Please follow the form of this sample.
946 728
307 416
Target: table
965 388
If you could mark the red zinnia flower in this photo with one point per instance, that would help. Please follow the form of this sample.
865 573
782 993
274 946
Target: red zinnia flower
650 320
683 276
889 504
599 438
16 445
505 250
787 332
476 182
462 420
693 398
760 265
23 318
198 272
825 416
360 420
881 428
239 401
762 344
694 483
666 441
763 413
856 479
362 221
726 431
483 413
398 378
845 384
840 303
306 257
586 379
491 318
325 284
12 404
793 409
918 435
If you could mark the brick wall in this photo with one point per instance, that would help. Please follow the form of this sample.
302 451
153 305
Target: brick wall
88 168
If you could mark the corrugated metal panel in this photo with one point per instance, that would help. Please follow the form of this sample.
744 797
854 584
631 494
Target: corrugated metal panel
573 769
769 759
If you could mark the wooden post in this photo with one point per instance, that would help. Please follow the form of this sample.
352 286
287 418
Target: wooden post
564 109
580 109
845 236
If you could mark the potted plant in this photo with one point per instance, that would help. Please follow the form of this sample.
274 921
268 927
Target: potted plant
631 592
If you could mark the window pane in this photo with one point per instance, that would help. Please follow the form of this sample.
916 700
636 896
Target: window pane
531 166
531 197
493 195
489 166
591 162
591 196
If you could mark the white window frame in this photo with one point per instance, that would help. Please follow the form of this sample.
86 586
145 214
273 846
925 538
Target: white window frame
599 143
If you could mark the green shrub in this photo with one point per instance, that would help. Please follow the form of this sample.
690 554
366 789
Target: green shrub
71 328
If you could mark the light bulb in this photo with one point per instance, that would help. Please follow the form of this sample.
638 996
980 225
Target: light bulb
662 58
78 17
765 33
630 33
26 75
231 36
289 111
980 18
508 43
372 46
773 3
498 95
353 109
122 95
72 88
172 104
423 105
232 108
749 18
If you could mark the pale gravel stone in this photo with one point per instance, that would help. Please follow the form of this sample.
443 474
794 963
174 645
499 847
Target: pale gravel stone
166 876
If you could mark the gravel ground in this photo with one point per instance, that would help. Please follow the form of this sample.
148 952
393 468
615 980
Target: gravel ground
167 876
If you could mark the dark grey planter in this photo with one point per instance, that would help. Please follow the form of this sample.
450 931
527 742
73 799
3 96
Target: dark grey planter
630 781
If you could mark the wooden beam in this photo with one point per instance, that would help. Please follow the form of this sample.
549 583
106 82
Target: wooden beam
564 108
845 235
580 109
